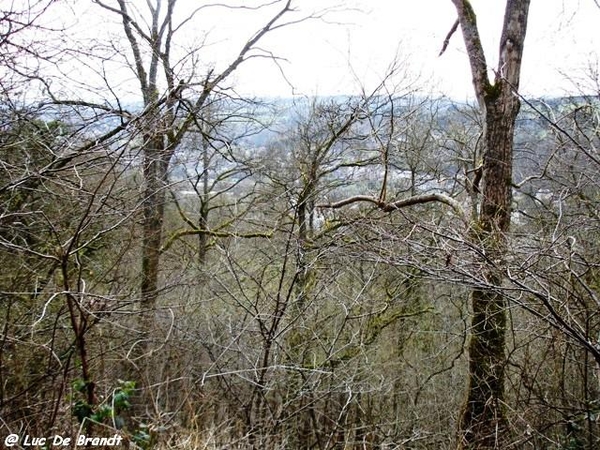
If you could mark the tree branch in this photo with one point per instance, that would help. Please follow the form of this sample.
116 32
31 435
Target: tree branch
512 41
468 25
449 36
399 204
220 234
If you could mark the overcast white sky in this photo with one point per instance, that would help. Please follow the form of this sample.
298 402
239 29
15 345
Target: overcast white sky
337 58
562 42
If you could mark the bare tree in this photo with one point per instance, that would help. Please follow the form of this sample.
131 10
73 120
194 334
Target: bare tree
168 116
483 424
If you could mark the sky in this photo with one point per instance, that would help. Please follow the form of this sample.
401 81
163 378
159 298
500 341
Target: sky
562 45
353 46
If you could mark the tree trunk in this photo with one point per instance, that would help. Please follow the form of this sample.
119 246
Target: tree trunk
156 163
204 203
483 424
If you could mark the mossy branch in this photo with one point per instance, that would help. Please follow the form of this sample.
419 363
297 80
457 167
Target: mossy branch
218 234
194 230
374 328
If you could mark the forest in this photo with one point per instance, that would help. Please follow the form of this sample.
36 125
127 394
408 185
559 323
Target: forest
184 267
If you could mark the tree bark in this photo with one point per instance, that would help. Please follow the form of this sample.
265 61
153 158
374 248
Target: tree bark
204 195
483 423
156 164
